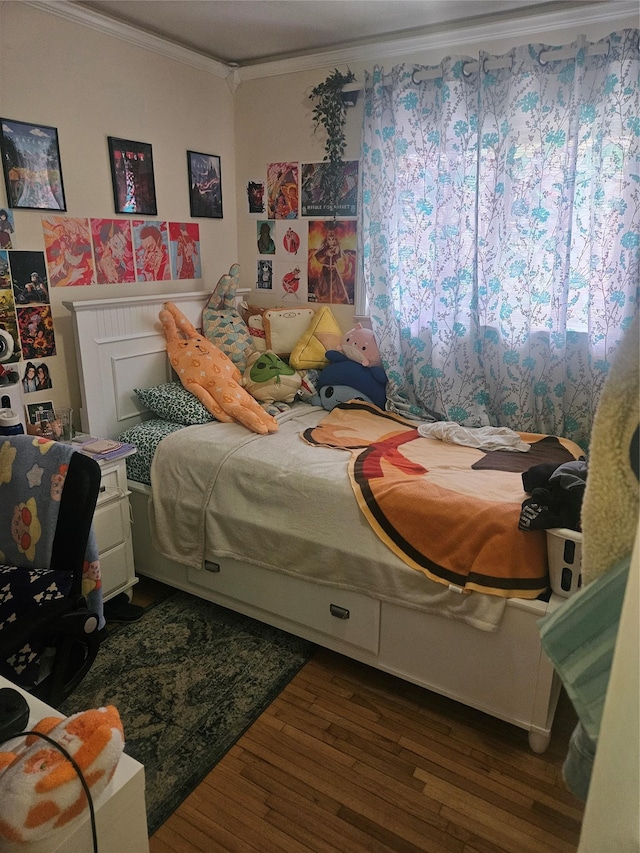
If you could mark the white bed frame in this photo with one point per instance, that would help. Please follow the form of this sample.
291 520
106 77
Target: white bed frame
120 346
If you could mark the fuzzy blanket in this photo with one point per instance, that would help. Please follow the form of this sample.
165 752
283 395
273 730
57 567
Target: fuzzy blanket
449 511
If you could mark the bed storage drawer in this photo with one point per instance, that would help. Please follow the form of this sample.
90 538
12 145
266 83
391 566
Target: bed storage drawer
344 615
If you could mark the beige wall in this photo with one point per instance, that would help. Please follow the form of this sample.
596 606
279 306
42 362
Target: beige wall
90 85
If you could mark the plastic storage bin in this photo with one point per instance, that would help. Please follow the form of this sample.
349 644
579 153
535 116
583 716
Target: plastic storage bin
564 552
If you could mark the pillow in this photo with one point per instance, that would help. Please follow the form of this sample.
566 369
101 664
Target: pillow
322 334
255 325
172 402
283 328
222 323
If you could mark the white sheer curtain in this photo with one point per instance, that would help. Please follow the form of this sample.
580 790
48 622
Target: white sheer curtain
501 229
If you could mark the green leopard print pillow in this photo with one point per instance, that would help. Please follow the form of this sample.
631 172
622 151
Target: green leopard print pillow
172 402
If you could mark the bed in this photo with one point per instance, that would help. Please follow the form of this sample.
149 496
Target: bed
235 540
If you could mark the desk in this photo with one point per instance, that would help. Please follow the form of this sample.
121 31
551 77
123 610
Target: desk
121 819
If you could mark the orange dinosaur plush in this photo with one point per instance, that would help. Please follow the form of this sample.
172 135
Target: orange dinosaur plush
210 375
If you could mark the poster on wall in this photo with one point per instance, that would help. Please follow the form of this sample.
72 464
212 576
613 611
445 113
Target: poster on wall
264 278
113 250
28 278
266 244
7 230
134 189
332 261
289 282
255 196
151 247
205 185
10 350
184 244
312 180
282 190
36 377
35 327
67 247
31 165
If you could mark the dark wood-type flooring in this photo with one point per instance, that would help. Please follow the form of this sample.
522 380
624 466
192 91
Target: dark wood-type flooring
351 759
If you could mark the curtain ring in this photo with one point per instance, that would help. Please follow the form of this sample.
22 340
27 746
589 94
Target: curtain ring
540 59
466 73
413 78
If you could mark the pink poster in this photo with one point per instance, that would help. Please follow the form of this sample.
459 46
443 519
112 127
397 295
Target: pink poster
67 245
113 249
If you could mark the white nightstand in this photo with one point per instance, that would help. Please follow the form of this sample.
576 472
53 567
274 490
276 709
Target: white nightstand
112 524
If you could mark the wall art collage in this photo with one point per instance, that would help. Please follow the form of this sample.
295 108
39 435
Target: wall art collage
310 261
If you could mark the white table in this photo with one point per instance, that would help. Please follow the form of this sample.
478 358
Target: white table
121 819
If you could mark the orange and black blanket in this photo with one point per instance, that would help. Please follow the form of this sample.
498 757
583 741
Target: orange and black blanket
447 510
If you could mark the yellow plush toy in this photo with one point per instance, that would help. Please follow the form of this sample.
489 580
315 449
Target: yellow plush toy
210 375
41 791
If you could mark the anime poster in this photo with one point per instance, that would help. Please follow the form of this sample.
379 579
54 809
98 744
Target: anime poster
9 339
311 190
332 261
289 239
28 278
184 243
35 327
255 196
67 247
7 227
290 281
265 231
113 250
36 377
151 247
282 190
264 279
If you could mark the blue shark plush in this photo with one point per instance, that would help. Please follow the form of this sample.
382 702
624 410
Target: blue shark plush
343 379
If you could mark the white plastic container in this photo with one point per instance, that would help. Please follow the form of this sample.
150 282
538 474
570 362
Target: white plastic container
564 552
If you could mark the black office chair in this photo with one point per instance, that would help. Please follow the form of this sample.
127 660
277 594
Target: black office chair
49 638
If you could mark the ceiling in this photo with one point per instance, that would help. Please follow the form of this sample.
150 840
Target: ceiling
248 32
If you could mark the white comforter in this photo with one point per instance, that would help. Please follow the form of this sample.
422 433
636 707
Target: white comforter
220 491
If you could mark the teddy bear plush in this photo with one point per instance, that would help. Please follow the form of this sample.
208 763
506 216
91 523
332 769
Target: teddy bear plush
210 375
41 791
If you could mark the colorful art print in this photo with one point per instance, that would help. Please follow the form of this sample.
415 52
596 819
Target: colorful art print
5 274
35 327
205 185
291 241
29 278
184 244
36 410
255 196
311 190
31 165
332 261
134 189
10 350
264 279
67 247
282 191
266 243
36 377
113 251
290 282
7 227
151 247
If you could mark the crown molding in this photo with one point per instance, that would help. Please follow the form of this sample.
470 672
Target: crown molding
104 24
613 13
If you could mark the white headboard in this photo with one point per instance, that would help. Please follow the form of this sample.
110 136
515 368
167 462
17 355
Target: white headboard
120 346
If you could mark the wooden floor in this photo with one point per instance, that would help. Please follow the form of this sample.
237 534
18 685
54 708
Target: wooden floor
350 759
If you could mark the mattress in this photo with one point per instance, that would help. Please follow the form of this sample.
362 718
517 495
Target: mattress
145 437
220 491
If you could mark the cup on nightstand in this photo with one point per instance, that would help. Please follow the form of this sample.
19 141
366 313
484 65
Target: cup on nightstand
64 417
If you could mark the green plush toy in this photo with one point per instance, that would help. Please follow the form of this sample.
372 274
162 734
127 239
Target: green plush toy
269 379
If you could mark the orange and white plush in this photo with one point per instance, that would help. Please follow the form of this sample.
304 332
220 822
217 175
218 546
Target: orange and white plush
210 375
41 791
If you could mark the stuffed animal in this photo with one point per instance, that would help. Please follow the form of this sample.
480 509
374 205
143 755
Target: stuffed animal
359 344
41 791
342 377
268 379
210 375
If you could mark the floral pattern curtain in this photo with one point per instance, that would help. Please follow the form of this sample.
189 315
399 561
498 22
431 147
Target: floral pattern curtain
500 225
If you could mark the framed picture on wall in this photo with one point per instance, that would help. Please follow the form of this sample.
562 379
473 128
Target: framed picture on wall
205 185
134 189
31 165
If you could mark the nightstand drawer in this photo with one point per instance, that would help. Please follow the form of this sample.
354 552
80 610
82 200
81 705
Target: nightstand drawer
111 524
109 487
114 568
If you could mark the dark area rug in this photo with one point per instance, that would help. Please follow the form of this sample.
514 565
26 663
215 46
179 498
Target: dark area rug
188 679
